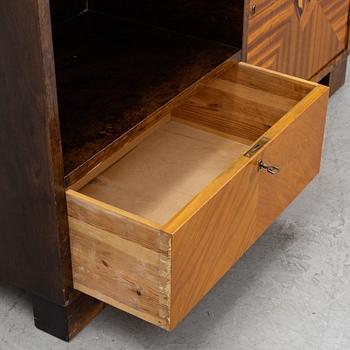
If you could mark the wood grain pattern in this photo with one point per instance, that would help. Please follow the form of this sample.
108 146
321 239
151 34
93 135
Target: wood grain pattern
212 240
263 80
34 249
279 38
234 108
296 149
238 105
120 259
33 252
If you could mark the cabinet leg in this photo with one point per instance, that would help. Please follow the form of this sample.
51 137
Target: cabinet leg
65 322
335 79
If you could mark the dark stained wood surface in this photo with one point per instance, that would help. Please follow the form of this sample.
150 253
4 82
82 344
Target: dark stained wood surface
34 253
65 322
112 73
337 76
62 10
34 249
220 20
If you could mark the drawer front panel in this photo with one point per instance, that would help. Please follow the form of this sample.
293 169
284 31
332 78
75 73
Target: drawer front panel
212 240
297 152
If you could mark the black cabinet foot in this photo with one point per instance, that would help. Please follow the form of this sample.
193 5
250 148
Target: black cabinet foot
64 322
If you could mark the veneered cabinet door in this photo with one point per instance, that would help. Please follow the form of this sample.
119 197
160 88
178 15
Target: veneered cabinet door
323 32
272 35
296 37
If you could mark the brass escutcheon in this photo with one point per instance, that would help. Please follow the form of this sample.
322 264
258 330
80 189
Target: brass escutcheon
257 147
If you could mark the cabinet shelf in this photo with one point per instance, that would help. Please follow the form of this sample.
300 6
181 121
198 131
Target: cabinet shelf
112 73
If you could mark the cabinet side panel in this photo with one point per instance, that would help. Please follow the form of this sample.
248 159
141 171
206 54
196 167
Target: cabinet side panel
33 252
296 37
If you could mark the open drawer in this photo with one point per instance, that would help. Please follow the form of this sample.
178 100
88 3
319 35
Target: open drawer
159 219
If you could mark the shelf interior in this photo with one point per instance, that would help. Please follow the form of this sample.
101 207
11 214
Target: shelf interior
112 73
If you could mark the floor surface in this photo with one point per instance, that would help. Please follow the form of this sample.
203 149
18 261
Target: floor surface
291 291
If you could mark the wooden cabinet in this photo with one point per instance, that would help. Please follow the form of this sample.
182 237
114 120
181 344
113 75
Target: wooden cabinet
296 37
138 152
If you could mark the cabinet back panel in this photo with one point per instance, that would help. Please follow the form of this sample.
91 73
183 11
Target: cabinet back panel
221 21
111 74
61 10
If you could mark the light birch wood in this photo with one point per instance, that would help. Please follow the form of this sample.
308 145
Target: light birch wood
120 259
164 172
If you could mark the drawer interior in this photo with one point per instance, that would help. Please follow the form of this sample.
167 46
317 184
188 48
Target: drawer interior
160 169
165 171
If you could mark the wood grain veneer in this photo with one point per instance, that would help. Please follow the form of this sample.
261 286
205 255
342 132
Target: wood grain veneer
128 257
32 164
279 38
34 249
297 150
